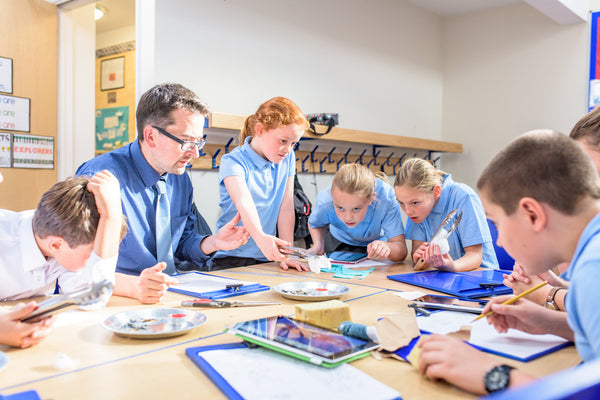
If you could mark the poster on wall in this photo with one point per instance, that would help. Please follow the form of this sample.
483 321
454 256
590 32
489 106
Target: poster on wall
594 82
112 130
6 75
5 159
112 73
14 113
31 151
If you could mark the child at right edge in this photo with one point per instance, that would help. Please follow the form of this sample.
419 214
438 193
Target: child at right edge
543 220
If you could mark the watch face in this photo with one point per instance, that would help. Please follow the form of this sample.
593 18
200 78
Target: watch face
497 378
551 305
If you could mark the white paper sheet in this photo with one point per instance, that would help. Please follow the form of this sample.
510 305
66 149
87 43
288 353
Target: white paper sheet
263 374
514 343
201 283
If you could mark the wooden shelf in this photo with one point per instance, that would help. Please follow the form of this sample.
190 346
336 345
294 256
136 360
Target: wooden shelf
235 122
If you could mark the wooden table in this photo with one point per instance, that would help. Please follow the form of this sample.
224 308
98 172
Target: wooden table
110 366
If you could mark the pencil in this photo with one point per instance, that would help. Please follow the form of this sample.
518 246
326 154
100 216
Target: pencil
513 299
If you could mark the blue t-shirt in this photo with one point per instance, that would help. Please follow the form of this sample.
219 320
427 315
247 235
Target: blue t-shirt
137 178
265 180
583 296
472 229
382 221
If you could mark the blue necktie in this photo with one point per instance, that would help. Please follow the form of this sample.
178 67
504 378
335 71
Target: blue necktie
164 243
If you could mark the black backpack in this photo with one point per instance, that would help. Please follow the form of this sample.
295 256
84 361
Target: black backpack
302 208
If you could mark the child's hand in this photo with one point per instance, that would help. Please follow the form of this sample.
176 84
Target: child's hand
378 249
290 262
435 259
444 357
420 253
15 333
519 281
107 192
152 284
269 246
523 315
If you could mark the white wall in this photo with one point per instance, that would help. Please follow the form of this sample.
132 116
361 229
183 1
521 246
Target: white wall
377 63
507 71
385 65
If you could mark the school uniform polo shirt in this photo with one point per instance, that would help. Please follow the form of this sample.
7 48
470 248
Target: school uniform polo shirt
267 183
25 270
583 297
382 221
472 229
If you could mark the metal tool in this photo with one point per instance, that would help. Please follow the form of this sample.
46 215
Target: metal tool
296 252
449 224
224 304
84 297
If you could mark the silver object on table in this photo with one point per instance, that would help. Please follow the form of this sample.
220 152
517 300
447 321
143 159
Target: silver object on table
311 291
153 323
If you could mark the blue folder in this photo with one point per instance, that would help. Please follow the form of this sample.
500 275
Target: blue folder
227 387
28 395
221 294
468 285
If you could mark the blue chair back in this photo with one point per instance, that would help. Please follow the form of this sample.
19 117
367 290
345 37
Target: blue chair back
504 260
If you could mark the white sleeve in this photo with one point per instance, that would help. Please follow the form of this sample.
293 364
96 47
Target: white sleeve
95 270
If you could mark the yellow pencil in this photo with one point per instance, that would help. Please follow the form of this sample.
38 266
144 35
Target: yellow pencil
513 299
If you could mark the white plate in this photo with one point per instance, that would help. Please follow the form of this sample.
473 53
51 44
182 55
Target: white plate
311 291
153 323
3 360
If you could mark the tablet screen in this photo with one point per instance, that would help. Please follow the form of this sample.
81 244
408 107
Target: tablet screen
346 256
302 336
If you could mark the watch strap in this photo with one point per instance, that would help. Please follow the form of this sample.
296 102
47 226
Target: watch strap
551 299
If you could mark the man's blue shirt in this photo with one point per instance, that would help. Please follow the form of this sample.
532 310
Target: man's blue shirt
138 196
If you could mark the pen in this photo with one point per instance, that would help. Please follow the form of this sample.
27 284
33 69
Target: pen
512 300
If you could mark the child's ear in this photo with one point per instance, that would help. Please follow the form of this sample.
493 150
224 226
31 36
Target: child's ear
54 244
437 191
534 212
259 129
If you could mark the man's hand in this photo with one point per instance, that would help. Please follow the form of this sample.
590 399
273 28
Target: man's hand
152 284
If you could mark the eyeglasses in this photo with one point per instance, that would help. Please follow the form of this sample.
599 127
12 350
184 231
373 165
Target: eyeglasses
185 145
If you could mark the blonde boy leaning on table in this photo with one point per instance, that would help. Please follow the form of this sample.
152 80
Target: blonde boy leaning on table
73 236
542 192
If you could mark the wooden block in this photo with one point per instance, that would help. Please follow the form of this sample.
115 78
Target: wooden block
328 314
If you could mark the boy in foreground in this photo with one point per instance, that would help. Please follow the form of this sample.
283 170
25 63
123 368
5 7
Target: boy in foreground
73 236
542 192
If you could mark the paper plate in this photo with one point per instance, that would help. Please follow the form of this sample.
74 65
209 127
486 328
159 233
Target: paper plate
311 291
153 323
3 360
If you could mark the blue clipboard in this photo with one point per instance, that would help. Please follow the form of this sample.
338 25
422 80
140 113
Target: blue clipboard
28 395
468 285
228 383
223 293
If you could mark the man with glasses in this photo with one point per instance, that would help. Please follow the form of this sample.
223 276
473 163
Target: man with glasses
154 188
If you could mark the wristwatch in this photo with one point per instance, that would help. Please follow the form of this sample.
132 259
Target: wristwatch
497 378
550 300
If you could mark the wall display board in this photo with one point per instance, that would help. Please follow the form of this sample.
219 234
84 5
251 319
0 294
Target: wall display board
5 154
112 128
31 151
594 82
6 75
15 113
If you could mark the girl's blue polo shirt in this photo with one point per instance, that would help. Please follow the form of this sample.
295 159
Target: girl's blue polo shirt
266 182
382 221
472 229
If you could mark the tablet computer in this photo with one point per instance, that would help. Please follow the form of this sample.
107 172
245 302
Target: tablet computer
303 340
435 302
346 257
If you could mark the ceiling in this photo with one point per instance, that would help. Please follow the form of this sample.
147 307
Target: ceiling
119 13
